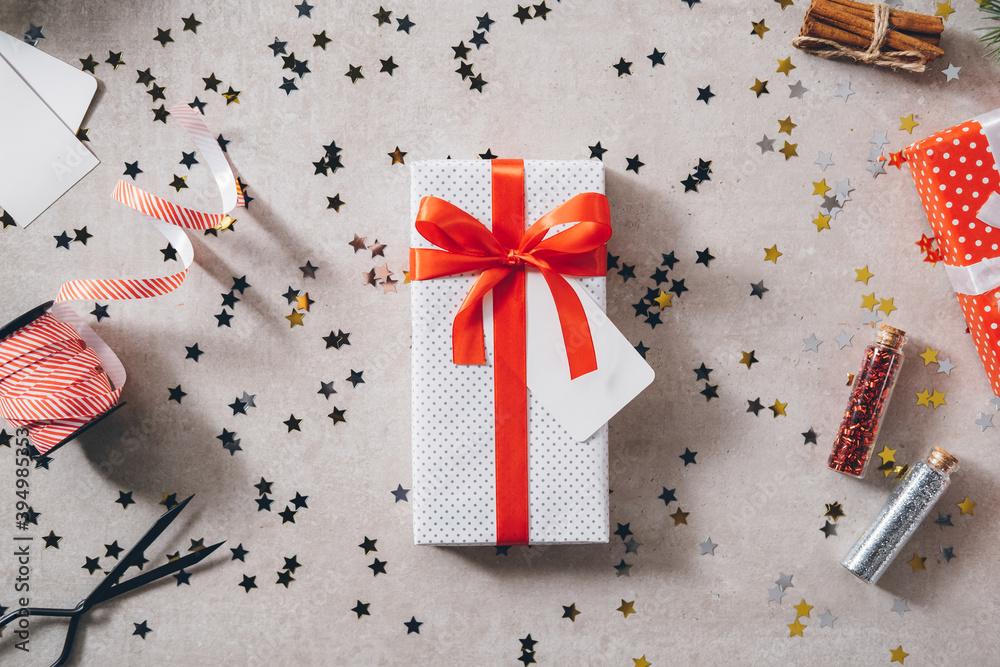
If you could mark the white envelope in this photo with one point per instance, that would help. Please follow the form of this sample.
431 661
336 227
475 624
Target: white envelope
42 102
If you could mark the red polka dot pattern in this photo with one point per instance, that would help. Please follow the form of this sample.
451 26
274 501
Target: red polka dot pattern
955 173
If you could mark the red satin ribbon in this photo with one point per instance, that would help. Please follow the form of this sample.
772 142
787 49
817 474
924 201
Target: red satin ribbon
501 256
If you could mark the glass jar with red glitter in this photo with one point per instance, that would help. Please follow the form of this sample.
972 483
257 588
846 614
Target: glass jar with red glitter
869 397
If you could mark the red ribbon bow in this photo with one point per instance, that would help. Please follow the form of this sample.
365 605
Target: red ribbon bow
466 245
501 256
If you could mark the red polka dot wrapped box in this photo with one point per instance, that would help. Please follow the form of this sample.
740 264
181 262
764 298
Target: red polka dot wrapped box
956 174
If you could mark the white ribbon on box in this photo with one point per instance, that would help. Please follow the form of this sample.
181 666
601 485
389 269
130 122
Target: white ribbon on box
983 276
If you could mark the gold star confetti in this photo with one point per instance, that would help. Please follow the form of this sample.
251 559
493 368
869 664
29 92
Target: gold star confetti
664 300
834 510
641 662
886 306
923 396
303 302
571 612
944 10
869 301
294 319
967 506
748 358
785 66
907 123
863 276
788 150
786 126
796 628
778 408
929 356
759 28
759 87
898 654
232 96
937 398
917 562
627 608
785 3
397 156
406 279
820 188
850 379
771 254
679 517
822 222
887 455
802 609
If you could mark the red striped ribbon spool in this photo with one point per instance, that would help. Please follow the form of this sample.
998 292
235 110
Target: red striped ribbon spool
57 377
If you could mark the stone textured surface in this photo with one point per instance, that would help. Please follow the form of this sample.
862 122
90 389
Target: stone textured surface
756 490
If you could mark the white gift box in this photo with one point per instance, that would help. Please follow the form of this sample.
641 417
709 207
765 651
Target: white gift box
454 480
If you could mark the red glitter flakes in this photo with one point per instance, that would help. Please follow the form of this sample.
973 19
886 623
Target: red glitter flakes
872 389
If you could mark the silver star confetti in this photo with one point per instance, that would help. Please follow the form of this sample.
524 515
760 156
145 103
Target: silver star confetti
872 318
844 90
708 547
951 72
826 619
812 343
843 191
766 145
876 168
985 421
824 160
945 366
900 606
843 339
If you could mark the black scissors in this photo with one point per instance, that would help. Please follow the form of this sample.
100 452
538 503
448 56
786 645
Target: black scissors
110 587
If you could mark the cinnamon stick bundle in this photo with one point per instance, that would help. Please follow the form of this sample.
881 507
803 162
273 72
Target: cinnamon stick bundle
872 33
898 19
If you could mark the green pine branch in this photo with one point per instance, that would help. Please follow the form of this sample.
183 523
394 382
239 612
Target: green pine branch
991 33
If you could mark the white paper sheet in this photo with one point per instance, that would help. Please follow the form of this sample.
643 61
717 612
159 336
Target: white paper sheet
64 89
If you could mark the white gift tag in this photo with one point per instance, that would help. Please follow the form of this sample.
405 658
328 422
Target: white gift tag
585 404
40 156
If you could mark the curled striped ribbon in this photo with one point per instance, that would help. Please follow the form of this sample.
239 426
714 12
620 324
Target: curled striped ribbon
56 374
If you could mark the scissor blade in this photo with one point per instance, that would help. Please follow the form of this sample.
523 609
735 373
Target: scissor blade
136 551
157 573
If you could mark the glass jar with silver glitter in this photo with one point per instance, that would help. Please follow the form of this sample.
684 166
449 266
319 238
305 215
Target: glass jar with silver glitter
906 507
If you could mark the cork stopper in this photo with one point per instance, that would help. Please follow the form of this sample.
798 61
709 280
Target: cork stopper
891 337
942 461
